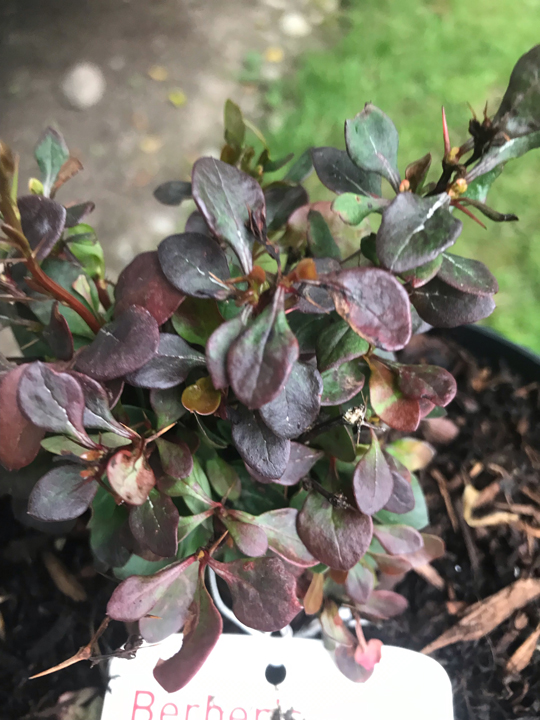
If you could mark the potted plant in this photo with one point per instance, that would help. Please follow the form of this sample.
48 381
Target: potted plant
234 402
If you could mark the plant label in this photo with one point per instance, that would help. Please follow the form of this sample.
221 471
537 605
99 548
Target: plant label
235 683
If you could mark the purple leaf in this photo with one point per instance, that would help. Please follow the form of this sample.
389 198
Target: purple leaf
263 592
372 480
19 438
197 224
58 335
391 564
338 344
418 276
202 630
172 609
336 536
130 476
426 381
169 366
342 382
402 498
154 525
259 448
396 410
398 539
122 346
228 198
281 202
173 192
261 359
432 549
297 406
470 276
283 539
143 283
384 604
193 264
97 414
414 230
137 595
76 213
374 304
176 458
518 111
217 348
61 494
301 460
42 222
442 305
53 401
249 538
316 299
359 583
338 173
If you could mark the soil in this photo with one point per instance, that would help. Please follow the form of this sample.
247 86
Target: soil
499 442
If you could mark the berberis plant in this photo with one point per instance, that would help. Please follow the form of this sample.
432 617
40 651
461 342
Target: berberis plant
234 402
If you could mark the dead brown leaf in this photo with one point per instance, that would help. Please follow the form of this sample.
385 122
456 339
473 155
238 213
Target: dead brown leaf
476 469
486 615
69 169
523 655
63 579
430 575
443 489
470 496
314 596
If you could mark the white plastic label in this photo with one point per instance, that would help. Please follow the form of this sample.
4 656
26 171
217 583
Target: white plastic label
232 685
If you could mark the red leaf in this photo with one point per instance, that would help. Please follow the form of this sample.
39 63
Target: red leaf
172 609
430 382
432 549
359 583
201 633
61 494
250 539
19 438
336 536
384 604
400 412
263 592
372 480
137 595
143 283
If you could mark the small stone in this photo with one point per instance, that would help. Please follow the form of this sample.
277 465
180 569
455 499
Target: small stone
84 85
294 24
158 73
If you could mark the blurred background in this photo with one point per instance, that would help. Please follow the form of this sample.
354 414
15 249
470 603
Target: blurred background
137 88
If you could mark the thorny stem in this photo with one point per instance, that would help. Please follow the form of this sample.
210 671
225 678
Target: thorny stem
47 283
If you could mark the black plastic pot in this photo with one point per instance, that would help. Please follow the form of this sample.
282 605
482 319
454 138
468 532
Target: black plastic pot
489 346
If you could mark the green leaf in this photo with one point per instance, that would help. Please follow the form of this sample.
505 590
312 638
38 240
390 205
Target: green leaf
338 173
417 518
235 129
352 209
194 489
51 153
338 443
196 319
167 404
137 565
106 526
499 154
255 497
89 253
372 143
342 382
223 478
337 344
320 238
478 189
301 168
415 230
422 274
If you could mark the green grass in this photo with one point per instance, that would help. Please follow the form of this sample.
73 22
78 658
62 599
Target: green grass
409 57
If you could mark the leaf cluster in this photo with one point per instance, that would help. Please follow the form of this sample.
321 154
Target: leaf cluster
236 400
